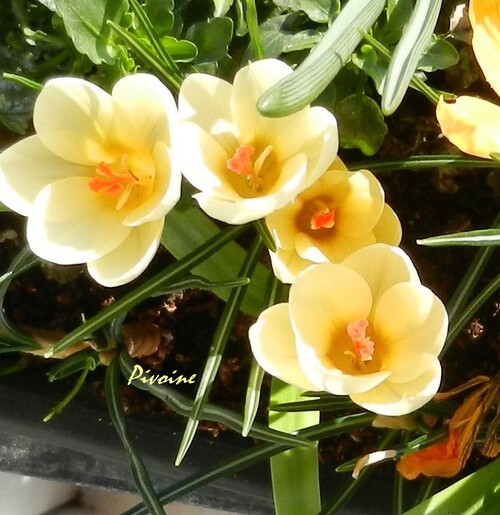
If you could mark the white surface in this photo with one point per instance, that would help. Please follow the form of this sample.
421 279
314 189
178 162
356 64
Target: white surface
23 495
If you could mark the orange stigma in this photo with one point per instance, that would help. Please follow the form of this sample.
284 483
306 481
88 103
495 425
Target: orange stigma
241 162
363 346
324 219
112 178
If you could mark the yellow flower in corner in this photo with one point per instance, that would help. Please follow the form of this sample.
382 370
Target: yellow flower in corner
339 214
247 166
472 124
366 328
98 178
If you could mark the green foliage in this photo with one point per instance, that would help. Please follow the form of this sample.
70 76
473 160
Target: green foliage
222 6
212 39
478 493
279 36
317 10
361 123
87 26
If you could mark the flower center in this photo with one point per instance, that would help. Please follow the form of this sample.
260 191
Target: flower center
250 166
363 346
323 219
114 179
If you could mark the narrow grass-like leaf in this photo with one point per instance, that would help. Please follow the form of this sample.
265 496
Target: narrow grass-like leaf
24 81
219 341
351 486
311 77
422 162
148 288
333 403
139 472
11 339
163 54
294 473
478 493
144 53
183 405
253 29
249 457
463 317
429 485
252 396
415 82
187 228
265 234
470 279
398 488
89 365
479 238
416 37
257 372
74 363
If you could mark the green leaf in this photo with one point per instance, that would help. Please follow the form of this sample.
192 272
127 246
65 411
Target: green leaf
316 10
361 123
278 38
160 12
16 106
439 56
212 38
375 66
4 208
182 51
408 52
86 25
187 227
478 493
294 473
479 238
398 15
221 7
139 471
311 77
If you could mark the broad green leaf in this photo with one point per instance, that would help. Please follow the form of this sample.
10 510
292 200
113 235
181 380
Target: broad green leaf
439 56
479 238
477 493
316 10
311 77
50 4
16 106
86 25
160 12
187 227
408 52
398 15
278 38
3 208
182 51
361 123
374 65
212 38
221 7
294 473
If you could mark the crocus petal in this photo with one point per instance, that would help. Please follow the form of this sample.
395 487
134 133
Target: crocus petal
26 168
282 224
144 112
72 117
204 160
166 191
388 228
418 324
320 144
407 366
396 399
249 84
204 101
129 259
361 206
382 266
237 210
337 247
287 265
69 224
323 299
471 124
484 16
273 345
